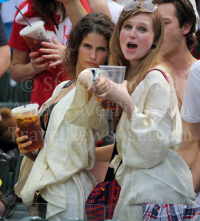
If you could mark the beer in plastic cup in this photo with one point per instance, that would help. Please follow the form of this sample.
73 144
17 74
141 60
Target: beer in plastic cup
34 35
28 121
116 74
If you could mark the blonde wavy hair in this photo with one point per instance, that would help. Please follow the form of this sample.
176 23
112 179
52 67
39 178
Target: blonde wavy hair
150 60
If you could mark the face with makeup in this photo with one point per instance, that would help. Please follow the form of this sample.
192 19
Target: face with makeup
136 37
92 52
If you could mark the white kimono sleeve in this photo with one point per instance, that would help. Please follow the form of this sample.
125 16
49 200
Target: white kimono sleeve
88 113
149 132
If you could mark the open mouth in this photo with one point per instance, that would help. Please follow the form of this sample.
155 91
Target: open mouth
131 46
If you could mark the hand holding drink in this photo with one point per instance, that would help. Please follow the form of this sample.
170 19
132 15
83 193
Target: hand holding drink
22 142
53 51
34 35
115 74
97 83
30 130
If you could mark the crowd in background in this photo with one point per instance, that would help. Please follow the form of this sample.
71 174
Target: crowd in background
169 60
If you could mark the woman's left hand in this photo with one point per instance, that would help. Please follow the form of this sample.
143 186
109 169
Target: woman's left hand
116 92
54 51
102 86
109 90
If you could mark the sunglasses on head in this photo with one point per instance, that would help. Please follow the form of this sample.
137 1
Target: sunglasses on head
146 5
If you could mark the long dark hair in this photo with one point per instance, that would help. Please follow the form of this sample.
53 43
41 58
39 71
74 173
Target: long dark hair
47 9
94 22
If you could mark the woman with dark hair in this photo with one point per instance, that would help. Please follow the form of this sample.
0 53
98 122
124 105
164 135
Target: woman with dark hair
26 65
59 16
77 35
70 61
60 170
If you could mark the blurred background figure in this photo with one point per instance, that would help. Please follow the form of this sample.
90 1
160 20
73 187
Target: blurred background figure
115 9
4 50
196 51
8 18
58 19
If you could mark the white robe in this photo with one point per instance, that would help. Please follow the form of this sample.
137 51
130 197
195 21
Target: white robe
151 170
60 170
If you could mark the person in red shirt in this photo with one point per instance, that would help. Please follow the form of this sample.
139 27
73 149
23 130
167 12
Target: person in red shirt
59 18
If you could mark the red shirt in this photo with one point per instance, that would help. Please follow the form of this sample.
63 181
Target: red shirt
45 82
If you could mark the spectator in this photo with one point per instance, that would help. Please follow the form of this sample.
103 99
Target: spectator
4 50
179 25
60 170
191 105
149 131
8 18
44 77
191 114
115 10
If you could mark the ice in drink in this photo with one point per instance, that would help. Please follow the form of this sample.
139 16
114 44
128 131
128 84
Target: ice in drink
29 123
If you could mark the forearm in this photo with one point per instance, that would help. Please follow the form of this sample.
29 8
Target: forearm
118 93
21 71
75 11
21 66
4 59
103 154
127 105
100 6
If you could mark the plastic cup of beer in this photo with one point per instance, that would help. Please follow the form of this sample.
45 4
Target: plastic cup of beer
28 121
116 74
34 35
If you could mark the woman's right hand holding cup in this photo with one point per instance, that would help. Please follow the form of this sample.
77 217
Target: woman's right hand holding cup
20 142
37 63
102 86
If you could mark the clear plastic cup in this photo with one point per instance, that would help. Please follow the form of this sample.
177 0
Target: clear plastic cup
116 74
28 121
34 35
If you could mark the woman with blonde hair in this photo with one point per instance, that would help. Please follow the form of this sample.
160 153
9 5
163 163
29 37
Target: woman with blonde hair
149 131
